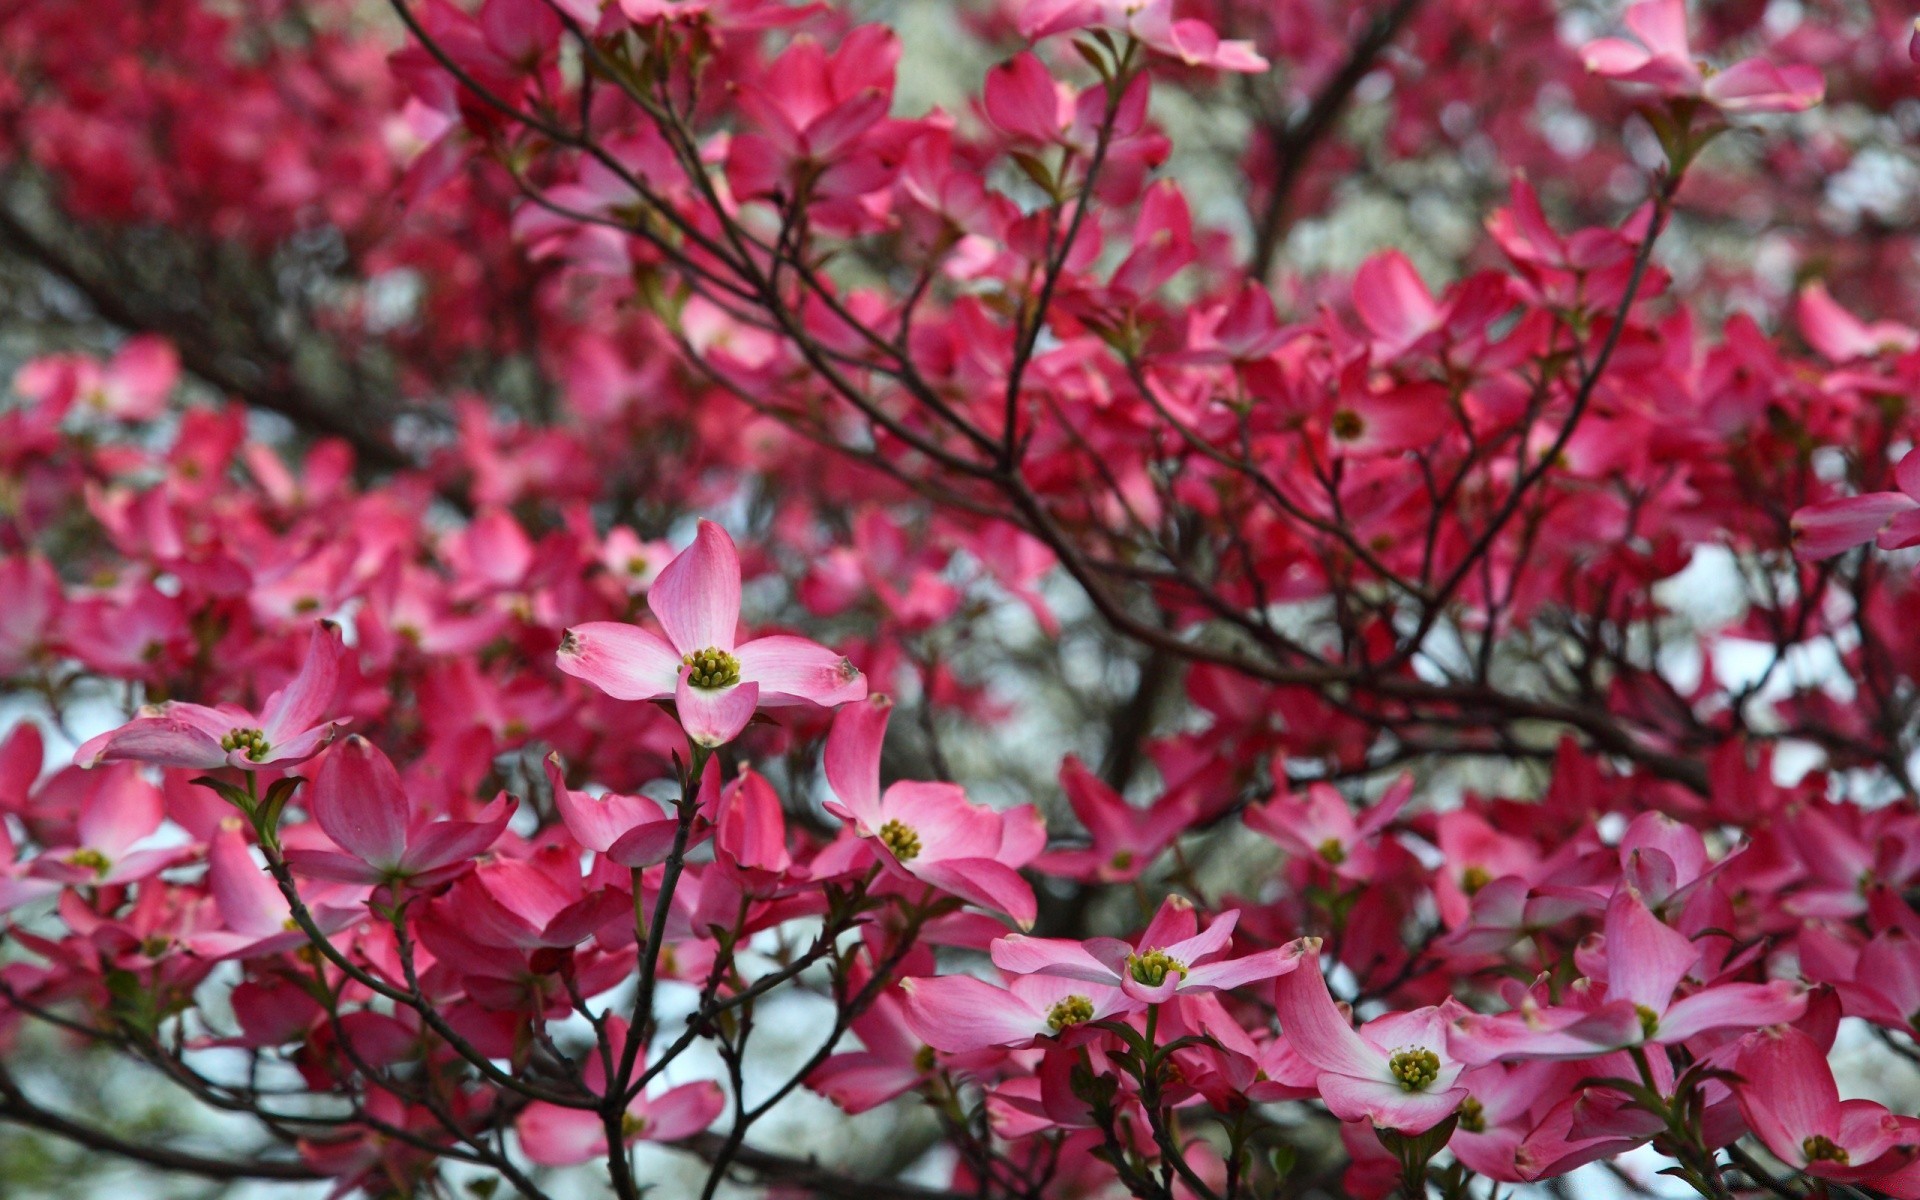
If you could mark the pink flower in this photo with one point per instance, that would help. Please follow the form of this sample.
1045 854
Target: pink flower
1193 42
116 816
258 920
1171 957
959 1013
930 831
715 681
1321 826
1395 1071
1645 963
1664 60
358 800
892 1059
553 1136
1126 839
636 564
1890 520
289 728
1787 1094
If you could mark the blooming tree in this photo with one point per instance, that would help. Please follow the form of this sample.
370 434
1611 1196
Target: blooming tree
581 573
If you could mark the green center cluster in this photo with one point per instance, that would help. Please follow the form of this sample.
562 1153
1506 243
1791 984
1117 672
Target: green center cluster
1074 1010
253 741
1473 1118
1415 1068
91 859
1153 967
1649 1020
1820 1148
712 669
1332 852
901 840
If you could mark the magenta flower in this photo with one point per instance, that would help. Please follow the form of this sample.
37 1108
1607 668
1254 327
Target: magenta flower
1172 957
1787 1094
1320 825
930 831
1125 840
1395 1072
289 728
1646 962
1663 59
892 1059
715 681
258 920
960 1013
358 800
1193 42
117 815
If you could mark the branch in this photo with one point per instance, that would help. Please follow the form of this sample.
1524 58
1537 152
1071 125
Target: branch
1294 142
15 1107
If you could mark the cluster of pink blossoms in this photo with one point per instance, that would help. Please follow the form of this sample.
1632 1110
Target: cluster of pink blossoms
460 807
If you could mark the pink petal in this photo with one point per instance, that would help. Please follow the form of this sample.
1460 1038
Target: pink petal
358 801
1238 972
852 759
792 668
983 881
447 843
1314 1027
697 596
560 1137
1757 86
119 810
248 901
1645 959
1387 1105
306 699
597 822
1733 1006
624 661
680 1112
1823 530
715 716
163 741
1662 25
959 1013
1023 955
1786 1091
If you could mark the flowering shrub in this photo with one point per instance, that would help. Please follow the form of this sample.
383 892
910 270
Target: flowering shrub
457 774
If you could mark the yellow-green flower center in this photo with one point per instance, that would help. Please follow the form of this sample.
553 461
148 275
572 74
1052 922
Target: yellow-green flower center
923 1059
632 1125
253 741
1348 425
1416 1068
1074 1010
91 859
901 840
1649 1020
712 668
1473 1118
1333 852
1820 1148
1474 878
1153 967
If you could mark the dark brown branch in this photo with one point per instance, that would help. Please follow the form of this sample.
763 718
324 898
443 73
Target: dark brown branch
1293 142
